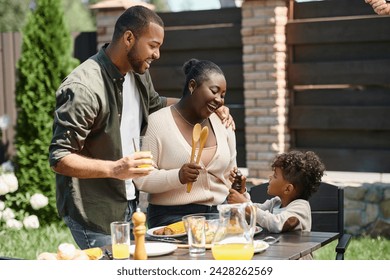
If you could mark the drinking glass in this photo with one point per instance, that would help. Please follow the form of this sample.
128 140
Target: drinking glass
195 227
120 238
141 144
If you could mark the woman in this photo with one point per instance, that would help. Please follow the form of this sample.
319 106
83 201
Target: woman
170 130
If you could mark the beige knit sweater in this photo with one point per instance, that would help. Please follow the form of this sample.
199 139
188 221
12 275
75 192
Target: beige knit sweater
170 151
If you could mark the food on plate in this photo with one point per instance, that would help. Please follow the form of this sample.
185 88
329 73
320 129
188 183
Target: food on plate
67 251
81 255
94 253
47 256
260 245
172 229
210 230
234 227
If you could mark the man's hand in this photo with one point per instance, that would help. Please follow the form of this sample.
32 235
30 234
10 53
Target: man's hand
381 7
127 167
223 113
75 165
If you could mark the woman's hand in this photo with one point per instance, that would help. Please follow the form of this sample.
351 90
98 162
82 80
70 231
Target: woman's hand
232 176
235 197
189 172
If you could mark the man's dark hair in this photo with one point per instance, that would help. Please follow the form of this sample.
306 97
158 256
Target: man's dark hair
135 19
302 169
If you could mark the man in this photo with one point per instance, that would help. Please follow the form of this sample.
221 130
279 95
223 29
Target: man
381 7
93 165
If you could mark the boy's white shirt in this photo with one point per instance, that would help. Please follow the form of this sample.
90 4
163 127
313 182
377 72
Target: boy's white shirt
271 216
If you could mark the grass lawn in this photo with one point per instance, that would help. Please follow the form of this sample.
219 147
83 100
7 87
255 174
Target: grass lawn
28 244
360 248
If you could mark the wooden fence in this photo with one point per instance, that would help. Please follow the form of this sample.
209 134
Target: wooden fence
339 77
213 35
9 54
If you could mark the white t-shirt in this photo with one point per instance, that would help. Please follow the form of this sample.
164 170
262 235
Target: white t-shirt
131 123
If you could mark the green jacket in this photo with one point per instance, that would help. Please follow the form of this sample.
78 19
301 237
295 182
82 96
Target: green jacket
87 122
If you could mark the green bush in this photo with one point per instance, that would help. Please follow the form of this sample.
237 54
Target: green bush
45 60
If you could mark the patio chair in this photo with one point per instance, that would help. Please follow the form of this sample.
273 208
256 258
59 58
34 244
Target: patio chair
327 206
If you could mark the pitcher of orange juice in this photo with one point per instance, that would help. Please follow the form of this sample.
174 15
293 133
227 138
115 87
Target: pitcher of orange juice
233 239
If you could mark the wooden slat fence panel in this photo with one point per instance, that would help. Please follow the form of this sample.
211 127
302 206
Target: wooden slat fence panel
339 117
339 78
358 160
374 72
345 139
213 35
334 8
9 55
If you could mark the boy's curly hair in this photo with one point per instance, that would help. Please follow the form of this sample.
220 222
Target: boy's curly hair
302 169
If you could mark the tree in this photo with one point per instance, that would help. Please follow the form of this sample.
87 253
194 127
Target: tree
161 5
12 14
78 17
45 60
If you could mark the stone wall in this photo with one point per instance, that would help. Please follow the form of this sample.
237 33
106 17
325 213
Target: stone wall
367 209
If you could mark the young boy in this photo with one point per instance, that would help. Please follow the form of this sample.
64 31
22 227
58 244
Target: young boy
297 175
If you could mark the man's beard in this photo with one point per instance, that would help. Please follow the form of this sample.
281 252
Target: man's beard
135 64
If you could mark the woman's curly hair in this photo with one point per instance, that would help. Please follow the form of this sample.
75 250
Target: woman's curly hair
302 169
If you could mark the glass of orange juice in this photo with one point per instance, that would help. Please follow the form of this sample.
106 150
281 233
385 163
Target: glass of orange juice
141 144
120 238
233 251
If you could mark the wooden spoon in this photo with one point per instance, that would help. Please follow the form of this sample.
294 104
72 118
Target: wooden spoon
196 132
203 138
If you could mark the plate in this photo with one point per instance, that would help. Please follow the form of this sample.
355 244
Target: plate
260 246
156 249
258 230
150 232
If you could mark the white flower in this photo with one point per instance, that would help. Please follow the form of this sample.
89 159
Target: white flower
38 201
4 189
7 167
2 206
8 214
31 222
1 214
14 224
11 181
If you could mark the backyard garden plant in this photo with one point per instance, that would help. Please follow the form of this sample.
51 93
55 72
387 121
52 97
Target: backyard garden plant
45 60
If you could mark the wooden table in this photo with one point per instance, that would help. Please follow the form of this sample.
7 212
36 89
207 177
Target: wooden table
291 246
